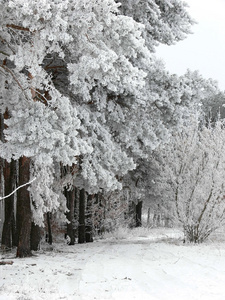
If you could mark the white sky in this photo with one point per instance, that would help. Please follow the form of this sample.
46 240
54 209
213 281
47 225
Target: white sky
204 50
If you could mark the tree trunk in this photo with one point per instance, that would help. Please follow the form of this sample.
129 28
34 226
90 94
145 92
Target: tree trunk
49 239
35 237
132 214
24 213
138 214
76 210
7 233
14 232
148 219
70 197
1 159
89 225
81 228
8 172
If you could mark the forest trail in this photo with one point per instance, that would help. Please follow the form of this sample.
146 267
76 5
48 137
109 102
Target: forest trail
144 268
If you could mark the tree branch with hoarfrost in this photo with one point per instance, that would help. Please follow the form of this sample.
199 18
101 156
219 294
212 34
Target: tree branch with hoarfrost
19 187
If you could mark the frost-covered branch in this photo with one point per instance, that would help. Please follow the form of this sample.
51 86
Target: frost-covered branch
19 187
4 67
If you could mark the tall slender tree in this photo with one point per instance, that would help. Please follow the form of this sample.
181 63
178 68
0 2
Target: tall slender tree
81 226
89 219
70 197
24 213
8 233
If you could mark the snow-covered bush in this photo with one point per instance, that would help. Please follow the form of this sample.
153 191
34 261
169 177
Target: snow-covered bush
192 178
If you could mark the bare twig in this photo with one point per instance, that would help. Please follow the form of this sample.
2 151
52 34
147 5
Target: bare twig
17 27
4 53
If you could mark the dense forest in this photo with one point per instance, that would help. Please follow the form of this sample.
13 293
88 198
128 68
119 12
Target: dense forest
94 129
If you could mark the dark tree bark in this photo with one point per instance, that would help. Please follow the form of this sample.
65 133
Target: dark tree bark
9 221
81 228
70 197
132 214
14 231
24 213
138 214
49 239
89 225
100 213
76 210
148 219
35 237
1 159
9 175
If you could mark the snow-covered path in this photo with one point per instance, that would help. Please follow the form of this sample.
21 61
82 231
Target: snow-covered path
136 268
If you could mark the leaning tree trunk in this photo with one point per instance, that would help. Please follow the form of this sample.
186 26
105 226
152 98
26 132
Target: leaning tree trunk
24 213
81 228
89 225
70 197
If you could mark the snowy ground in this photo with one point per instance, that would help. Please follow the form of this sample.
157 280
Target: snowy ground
148 265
